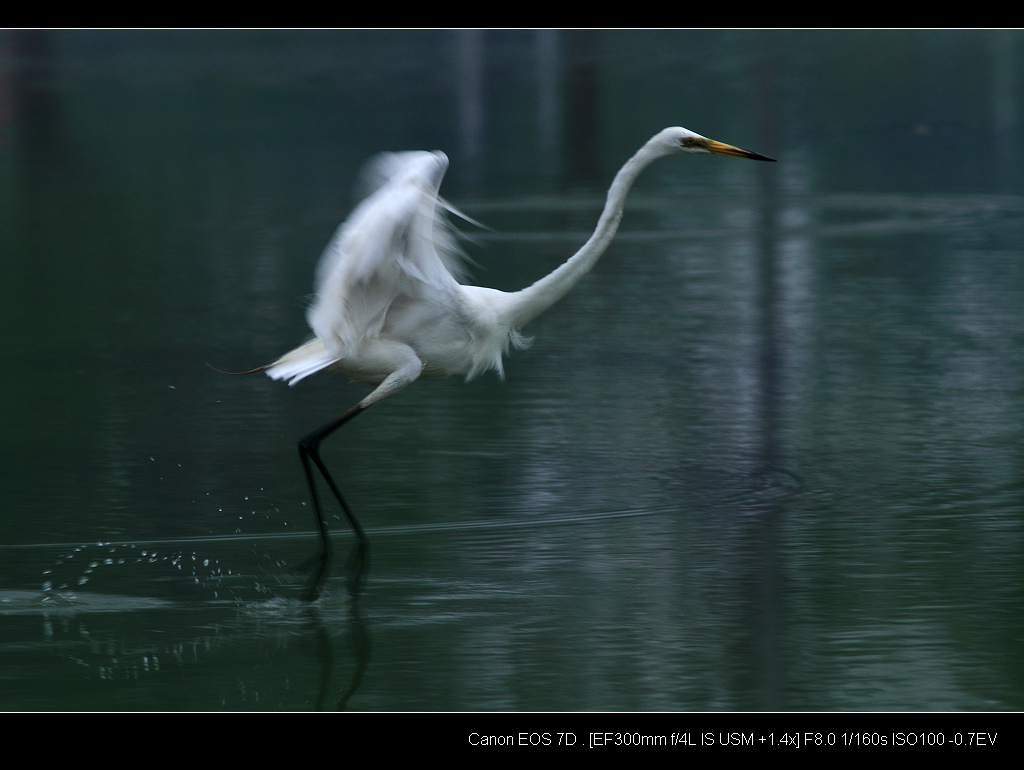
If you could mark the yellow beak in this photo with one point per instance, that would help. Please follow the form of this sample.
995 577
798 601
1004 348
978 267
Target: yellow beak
718 148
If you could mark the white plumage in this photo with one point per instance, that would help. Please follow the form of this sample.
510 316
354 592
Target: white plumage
390 307
387 288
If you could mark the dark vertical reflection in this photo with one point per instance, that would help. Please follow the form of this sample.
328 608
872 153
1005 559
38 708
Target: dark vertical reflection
1004 106
548 50
37 293
767 583
359 647
582 108
42 154
470 68
34 106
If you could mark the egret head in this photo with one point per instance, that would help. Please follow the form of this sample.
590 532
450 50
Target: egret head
677 139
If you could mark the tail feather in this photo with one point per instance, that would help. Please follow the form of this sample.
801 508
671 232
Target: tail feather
300 363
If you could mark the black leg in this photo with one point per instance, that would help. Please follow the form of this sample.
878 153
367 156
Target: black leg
309 453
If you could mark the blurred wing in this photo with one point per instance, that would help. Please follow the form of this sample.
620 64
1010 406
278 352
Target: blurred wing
396 243
386 167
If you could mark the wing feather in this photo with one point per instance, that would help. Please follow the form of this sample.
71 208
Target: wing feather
397 243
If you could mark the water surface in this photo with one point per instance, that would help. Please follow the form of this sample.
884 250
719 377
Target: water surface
767 456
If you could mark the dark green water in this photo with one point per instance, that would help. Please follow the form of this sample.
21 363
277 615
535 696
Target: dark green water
768 456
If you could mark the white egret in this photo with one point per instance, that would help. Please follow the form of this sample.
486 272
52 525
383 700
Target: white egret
390 309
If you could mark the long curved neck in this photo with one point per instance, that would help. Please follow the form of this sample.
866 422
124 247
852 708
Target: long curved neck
527 304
